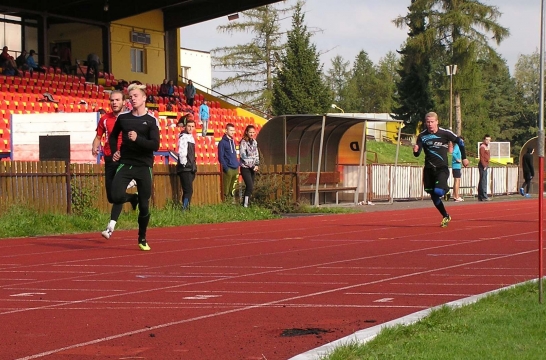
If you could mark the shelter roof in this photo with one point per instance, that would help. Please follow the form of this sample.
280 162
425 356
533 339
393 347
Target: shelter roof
177 13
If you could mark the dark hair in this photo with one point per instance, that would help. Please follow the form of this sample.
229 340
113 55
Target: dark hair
32 52
530 150
229 125
486 136
190 121
245 135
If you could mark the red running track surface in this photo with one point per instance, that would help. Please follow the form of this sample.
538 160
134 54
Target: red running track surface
228 291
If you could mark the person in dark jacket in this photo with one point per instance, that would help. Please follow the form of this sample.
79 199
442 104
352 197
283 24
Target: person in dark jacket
528 172
187 166
227 156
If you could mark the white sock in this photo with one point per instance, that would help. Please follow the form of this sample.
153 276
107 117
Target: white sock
112 225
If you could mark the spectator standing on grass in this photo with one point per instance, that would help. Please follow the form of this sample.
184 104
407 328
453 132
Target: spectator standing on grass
434 142
528 172
227 157
186 167
483 165
250 159
189 93
104 129
456 162
204 115
140 138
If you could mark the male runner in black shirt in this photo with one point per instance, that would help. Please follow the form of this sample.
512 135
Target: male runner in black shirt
434 141
140 138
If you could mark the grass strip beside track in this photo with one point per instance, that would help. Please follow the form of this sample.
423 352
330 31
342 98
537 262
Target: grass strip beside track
505 325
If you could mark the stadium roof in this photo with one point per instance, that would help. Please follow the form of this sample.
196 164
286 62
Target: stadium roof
177 13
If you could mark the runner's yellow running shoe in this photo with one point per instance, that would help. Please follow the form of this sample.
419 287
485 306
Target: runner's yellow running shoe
445 221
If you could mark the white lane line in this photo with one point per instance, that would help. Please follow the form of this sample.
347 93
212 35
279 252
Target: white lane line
62 289
220 313
234 292
371 267
332 274
100 265
47 272
484 275
8 279
445 284
286 282
405 294
467 254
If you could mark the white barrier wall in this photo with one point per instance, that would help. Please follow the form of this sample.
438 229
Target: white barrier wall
26 130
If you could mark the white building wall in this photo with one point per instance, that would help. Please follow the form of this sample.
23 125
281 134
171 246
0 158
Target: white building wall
196 66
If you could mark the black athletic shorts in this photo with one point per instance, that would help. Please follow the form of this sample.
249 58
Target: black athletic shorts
456 173
435 178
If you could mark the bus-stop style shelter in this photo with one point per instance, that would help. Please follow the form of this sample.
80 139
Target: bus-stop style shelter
312 142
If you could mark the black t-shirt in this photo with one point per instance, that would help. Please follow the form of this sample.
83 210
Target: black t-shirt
141 151
436 146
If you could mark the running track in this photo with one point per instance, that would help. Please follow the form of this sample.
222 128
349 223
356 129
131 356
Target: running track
228 291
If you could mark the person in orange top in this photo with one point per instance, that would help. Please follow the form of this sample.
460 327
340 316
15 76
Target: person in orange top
483 166
104 128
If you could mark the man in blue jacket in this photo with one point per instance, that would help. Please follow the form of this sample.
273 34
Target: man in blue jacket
227 156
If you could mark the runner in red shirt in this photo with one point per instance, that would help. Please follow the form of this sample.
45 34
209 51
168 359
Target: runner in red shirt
104 128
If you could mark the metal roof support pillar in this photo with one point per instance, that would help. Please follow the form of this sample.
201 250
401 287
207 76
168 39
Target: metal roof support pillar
320 159
359 173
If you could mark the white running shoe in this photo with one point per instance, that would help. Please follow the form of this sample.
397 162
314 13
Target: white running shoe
459 199
107 233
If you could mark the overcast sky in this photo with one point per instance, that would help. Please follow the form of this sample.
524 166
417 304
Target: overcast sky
353 25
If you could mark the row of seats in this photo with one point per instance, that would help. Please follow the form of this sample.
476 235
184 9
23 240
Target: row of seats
56 89
40 76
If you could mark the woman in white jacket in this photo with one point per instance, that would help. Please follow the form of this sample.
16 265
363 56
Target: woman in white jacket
187 166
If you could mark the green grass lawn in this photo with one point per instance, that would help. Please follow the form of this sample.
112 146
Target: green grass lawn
506 325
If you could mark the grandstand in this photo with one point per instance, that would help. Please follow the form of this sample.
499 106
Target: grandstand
71 93
110 32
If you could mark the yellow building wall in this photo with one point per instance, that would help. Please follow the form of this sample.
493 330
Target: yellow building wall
154 54
84 39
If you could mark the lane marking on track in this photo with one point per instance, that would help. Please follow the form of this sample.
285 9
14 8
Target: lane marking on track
333 274
384 300
220 313
201 297
47 272
484 275
405 294
27 294
443 254
235 292
445 284
64 289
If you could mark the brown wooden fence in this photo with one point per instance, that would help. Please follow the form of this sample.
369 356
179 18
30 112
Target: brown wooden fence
56 186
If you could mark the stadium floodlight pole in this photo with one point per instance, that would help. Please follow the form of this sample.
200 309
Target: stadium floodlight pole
541 158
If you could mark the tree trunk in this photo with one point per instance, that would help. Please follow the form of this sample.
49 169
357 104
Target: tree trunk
458 120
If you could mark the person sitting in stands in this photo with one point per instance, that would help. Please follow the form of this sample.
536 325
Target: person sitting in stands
21 60
170 89
31 63
8 63
164 89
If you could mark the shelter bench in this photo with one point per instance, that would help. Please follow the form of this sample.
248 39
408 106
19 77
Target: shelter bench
329 182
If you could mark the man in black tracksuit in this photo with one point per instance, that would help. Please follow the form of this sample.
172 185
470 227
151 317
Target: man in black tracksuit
528 172
140 138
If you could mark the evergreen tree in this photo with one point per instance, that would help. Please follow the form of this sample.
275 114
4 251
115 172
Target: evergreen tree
299 88
459 29
387 78
337 79
413 97
363 93
253 64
